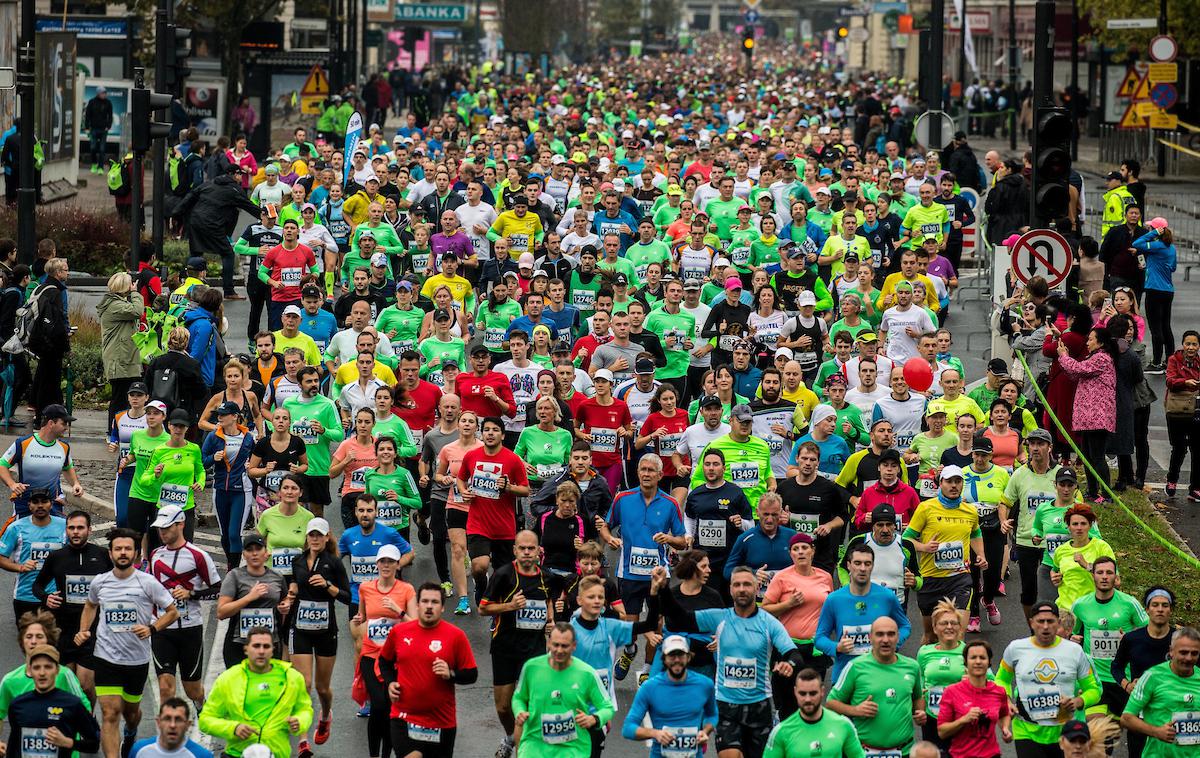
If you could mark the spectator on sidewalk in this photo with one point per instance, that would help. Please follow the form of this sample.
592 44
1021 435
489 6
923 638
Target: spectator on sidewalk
120 312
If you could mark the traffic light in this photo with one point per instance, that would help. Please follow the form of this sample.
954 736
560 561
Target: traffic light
144 129
179 49
1051 164
748 41
409 36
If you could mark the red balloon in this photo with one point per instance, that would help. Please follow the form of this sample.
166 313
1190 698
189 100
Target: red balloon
918 375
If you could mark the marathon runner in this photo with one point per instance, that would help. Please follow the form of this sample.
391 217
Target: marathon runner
252 595
173 722
679 704
41 460
844 627
25 546
813 730
1162 704
48 720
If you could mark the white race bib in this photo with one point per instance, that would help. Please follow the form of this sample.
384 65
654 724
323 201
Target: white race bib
248 618
424 733
78 586
312 615
485 481
291 276
860 636
173 494
389 513
363 568
558 728
949 556
744 474
1042 705
642 560
533 616
121 616
1187 728
739 673
547 471
604 440
281 559
377 629
805 522
684 742
712 532
1104 643
35 744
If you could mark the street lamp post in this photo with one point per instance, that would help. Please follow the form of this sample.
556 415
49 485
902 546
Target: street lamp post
26 176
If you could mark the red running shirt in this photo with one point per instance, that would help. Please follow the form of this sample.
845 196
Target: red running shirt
426 699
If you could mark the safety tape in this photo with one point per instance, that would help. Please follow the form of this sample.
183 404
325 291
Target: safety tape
1180 148
1066 435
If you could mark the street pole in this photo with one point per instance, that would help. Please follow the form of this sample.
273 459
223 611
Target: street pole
479 30
962 57
1160 153
1013 66
937 34
135 176
164 45
1075 95
26 177
1043 74
335 47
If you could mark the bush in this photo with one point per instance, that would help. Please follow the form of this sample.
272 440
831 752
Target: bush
95 242
85 361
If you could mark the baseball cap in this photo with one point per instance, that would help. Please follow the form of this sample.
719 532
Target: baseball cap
643 366
823 191
40 494
157 405
981 444
228 408
952 472
997 367
674 189
692 284
478 350
897 175
405 285
390 552
520 199
292 310
562 346
784 351
441 314
883 514
1113 175
710 400
168 515
557 160
604 374
138 388
867 337
806 298
929 238
1076 730
733 283
621 279
1158 223
249 539
379 259
741 412
196 263
525 261
720 262
312 290
891 454
676 643
179 417
1066 474
56 412
1040 435
318 524
271 169
366 233
42 651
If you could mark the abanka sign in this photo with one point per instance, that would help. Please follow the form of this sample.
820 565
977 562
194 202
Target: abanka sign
420 13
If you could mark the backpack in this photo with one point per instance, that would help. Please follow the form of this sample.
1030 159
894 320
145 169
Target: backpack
164 386
178 176
29 324
152 339
115 175
39 155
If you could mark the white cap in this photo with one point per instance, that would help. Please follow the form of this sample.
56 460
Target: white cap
388 551
257 750
167 515
720 262
806 298
820 413
618 185
526 260
676 643
557 160
317 524
952 472
604 374
784 351
157 405
292 310
822 191
378 259
627 134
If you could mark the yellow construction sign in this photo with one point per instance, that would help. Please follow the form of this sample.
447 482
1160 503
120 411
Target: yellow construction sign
1164 72
1131 119
1142 90
1164 121
314 92
1128 84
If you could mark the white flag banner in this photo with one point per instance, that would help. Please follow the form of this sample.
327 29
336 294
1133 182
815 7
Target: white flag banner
968 48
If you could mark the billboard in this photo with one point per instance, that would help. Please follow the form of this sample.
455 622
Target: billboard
55 95
118 95
204 102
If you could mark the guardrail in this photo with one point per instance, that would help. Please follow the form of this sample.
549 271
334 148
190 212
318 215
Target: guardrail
1118 144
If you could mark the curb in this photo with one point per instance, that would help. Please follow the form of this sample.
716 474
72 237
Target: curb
91 503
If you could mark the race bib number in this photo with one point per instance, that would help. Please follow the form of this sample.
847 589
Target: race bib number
291 276
519 241
860 637
668 443
272 480
712 532
1033 501
363 568
727 341
949 556
642 560
739 673
928 488
358 478
76 590
173 494
547 471
378 629
533 616
1187 728
39 551
1043 705
424 733
485 481
184 607
806 522
768 336
692 274
684 742
584 300
312 615
281 559
1053 541
904 441
558 728
1104 643
934 699
420 261
883 752
740 256
304 431
120 616
390 513
604 440
248 618
807 359
931 229
744 474
35 744
986 510
493 337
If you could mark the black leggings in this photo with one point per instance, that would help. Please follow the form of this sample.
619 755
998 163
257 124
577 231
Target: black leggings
1141 445
441 540
1092 443
379 731
118 399
1028 560
987 582
1184 434
1158 320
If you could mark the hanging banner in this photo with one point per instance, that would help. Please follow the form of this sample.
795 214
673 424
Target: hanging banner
354 133
968 50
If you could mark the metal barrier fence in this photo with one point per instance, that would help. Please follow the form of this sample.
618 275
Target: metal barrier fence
1118 144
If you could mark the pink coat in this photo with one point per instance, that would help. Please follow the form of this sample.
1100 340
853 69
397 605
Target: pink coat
1095 404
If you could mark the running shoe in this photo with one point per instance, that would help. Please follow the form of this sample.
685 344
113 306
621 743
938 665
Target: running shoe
643 677
365 711
1155 369
993 613
447 589
128 739
506 748
1194 496
1000 590
1171 487
973 625
321 736
464 607
423 533
624 662
303 750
